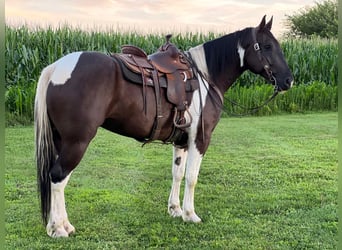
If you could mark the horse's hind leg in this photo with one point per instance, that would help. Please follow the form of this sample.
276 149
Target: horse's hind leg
69 156
59 225
178 167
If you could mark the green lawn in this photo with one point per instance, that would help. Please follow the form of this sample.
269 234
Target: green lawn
265 183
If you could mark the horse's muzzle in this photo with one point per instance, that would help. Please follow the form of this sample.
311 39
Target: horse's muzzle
285 85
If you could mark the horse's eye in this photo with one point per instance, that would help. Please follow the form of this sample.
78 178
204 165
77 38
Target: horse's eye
267 46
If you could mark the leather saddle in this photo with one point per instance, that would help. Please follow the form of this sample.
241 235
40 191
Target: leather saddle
167 68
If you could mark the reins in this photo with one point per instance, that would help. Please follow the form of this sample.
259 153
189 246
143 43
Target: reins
249 111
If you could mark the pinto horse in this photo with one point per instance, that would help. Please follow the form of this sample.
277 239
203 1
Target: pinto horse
83 91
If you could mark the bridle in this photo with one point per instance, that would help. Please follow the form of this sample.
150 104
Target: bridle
266 66
264 61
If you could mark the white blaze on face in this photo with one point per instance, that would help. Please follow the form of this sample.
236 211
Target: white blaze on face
64 67
241 52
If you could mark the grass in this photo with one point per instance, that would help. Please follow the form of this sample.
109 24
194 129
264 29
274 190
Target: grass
265 183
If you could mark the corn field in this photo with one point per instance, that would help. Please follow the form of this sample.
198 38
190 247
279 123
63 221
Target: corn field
28 50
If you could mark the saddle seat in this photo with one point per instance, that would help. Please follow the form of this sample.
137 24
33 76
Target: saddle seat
133 50
168 59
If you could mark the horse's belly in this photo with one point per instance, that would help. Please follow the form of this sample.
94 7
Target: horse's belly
137 127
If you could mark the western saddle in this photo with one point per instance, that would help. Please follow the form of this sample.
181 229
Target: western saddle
167 68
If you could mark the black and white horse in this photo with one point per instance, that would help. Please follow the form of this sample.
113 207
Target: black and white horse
83 91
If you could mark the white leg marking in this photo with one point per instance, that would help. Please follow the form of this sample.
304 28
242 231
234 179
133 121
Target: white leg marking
192 170
59 225
194 156
64 67
178 169
241 52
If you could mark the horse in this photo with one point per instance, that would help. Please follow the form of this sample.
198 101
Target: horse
83 91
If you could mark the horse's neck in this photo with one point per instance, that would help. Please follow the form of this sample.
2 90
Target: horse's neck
222 59
228 77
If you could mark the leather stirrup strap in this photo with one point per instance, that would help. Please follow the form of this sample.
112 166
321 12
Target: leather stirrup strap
157 126
143 83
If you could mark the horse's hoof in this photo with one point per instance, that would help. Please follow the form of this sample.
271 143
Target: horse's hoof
191 217
175 211
57 232
70 229
63 230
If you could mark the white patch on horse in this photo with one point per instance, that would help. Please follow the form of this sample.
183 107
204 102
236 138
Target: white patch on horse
59 225
64 68
198 55
195 106
192 155
178 170
191 176
241 52
192 158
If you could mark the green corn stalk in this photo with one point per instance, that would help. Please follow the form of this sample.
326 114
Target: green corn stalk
312 61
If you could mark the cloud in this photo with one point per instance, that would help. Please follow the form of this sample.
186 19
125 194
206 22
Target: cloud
215 15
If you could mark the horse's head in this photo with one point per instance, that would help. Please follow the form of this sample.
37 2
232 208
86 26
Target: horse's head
265 57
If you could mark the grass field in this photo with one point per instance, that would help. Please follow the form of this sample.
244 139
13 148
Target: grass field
265 183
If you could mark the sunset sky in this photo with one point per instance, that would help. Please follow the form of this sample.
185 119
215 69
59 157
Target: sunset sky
154 15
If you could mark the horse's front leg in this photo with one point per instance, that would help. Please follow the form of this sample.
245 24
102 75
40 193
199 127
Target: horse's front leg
178 169
192 170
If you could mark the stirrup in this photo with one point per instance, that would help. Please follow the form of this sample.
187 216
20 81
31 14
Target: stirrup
185 125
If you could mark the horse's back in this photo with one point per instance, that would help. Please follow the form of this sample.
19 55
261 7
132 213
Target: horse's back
76 64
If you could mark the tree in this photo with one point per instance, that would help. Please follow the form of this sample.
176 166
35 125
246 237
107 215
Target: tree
320 20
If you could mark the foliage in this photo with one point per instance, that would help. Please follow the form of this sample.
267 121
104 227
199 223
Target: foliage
28 51
265 183
312 59
320 20
316 96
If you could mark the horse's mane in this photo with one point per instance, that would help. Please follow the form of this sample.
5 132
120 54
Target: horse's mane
221 53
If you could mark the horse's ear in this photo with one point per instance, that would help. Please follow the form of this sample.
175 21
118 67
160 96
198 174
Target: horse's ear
269 24
262 23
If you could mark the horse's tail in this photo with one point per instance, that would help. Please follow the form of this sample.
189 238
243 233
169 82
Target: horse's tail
45 149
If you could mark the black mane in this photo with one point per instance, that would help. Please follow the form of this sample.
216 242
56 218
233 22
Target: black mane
221 53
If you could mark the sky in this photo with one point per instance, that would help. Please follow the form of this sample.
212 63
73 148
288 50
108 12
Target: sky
155 15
